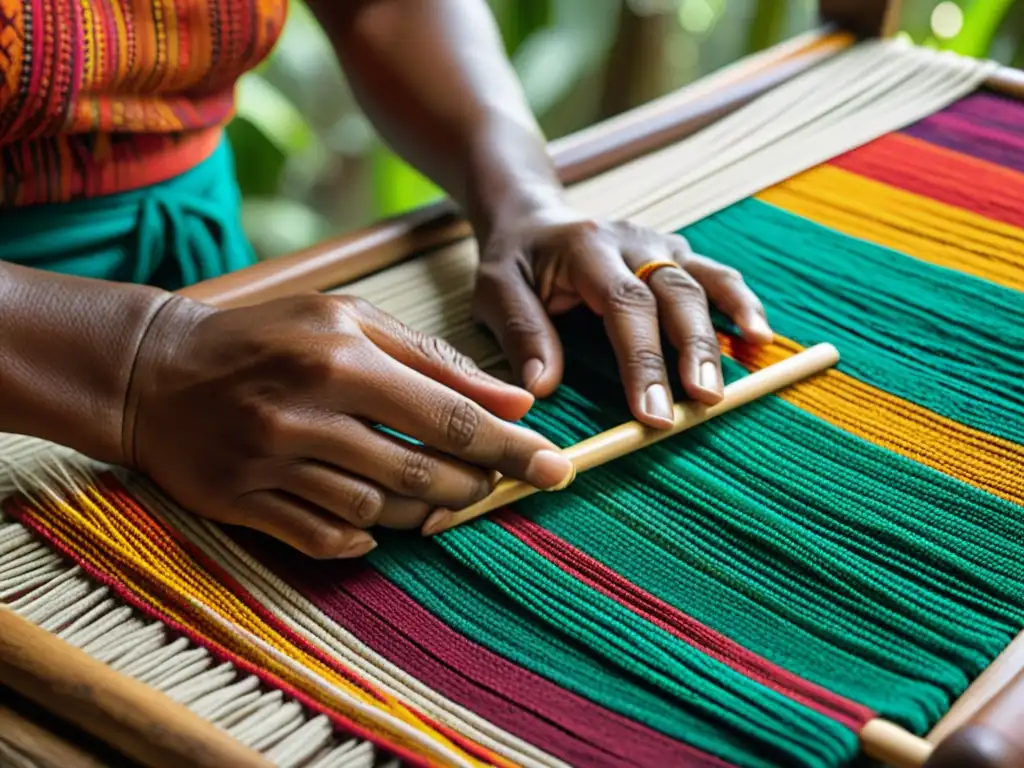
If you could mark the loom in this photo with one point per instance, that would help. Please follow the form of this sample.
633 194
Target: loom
825 576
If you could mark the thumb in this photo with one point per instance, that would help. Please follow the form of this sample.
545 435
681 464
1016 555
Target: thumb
509 307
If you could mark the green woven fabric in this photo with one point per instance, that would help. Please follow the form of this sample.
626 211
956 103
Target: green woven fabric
876 577
948 341
173 234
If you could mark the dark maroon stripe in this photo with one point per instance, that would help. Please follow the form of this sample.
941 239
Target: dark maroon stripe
514 699
598 576
983 125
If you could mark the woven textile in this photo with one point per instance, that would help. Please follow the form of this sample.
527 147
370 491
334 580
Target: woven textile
749 593
171 234
103 96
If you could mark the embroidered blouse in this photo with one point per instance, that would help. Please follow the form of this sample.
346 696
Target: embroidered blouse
104 96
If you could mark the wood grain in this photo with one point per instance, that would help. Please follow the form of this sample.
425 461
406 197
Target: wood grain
135 719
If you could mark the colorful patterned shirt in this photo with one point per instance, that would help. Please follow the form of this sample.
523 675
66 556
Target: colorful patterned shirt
103 96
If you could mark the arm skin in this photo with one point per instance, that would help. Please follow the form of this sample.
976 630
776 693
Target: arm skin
67 348
261 416
433 78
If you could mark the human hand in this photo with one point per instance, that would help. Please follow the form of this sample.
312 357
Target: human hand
264 417
548 262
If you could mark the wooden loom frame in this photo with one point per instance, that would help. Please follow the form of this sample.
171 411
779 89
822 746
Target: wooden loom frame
996 697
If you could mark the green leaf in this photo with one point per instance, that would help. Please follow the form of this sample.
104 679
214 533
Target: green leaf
982 19
397 187
273 114
766 27
259 162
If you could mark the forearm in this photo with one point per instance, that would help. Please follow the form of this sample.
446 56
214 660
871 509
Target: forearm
67 345
435 81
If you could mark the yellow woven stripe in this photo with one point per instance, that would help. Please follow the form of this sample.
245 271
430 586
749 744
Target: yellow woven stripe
984 461
153 565
941 234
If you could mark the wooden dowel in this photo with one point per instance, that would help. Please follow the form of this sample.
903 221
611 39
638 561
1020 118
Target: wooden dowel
41 748
596 149
632 436
892 745
131 717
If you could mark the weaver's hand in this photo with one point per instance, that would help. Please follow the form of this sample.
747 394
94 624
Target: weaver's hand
265 416
551 261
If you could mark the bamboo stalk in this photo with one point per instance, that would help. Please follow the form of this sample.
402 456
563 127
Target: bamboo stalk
632 436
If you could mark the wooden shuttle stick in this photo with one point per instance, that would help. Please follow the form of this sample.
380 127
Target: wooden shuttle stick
133 718
632 436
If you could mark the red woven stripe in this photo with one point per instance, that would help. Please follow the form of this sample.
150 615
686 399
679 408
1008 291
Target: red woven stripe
118 495
514 699
589 571
24 514
940 174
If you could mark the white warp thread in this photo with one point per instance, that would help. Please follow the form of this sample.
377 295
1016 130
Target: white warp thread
871 90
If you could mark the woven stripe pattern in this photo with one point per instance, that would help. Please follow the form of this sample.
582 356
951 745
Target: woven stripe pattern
749 593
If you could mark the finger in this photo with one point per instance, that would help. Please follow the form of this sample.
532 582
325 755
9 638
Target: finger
630 315
394 465
351 498
302 526
439 360
513 312
409 402
730 293
683 307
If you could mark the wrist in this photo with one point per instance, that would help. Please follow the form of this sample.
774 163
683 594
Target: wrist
68 346
163 341
510 179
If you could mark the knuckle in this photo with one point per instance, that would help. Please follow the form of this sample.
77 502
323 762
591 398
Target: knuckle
679 243
324 542
461 423
366 502
320 310
445 354
261 430
730 275
417 474
682 285
355 305
521 324
644 360
704 344
628 296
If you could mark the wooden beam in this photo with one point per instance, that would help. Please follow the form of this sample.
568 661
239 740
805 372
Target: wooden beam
593 151
864 18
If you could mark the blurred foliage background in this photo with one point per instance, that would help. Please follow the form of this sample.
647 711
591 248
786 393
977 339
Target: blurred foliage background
310 165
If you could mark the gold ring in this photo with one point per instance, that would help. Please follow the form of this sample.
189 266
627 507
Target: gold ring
651 267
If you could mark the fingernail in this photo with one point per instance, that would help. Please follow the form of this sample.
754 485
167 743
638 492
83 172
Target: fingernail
360 544
709 378
436 522
657 404
759 326
548 469
532 370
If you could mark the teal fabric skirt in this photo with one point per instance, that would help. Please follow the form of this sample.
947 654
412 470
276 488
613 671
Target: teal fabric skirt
173 234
